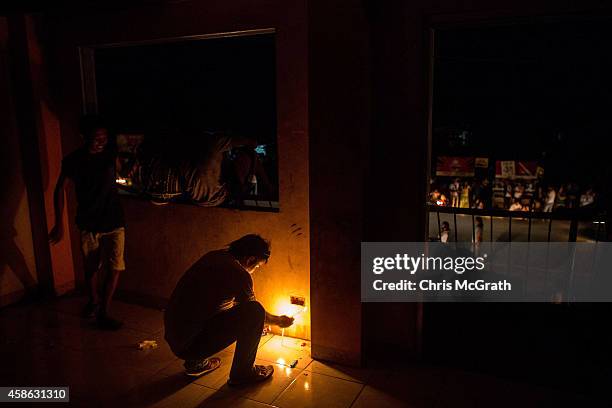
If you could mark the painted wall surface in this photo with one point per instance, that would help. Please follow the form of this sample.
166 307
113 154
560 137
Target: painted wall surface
17 265
49 152
162 242
339 114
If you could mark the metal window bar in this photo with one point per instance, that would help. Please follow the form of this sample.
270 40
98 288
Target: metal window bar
598 231
530 216
509 227
473 230
455 220
529 231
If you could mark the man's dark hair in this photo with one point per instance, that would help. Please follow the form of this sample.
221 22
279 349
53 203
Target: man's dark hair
250 245
90 123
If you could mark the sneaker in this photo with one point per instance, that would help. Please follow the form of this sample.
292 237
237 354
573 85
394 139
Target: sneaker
259 373
197 368
108 323
90 310
158 201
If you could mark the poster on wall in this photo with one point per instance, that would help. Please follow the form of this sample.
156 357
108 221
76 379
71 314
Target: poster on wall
517 169
481 162
447 166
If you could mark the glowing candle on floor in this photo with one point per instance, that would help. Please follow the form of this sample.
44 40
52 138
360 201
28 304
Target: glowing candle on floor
303 309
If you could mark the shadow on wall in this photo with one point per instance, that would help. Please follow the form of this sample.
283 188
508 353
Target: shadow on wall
15 232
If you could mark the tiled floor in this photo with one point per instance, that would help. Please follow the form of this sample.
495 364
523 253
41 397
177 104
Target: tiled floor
50 345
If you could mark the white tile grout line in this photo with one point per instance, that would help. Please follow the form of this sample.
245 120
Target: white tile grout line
269 337
285 389
332 376
324 375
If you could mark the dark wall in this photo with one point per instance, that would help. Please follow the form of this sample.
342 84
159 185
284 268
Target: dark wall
17 260
339 111
398 152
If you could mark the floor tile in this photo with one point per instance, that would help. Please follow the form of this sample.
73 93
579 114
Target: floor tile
165 391
224 400
36 322
50 344
419 386
153 359
140 318
90 376
334 370
118 347
28 362
143 319
374 397
264 340
318 390
71 305
285 351
266 391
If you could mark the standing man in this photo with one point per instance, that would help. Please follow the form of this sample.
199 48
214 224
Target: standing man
213 305
91 169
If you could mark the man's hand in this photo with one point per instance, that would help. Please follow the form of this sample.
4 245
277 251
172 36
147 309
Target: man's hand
56 234
284 321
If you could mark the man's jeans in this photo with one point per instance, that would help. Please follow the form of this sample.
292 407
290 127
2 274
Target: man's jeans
242 324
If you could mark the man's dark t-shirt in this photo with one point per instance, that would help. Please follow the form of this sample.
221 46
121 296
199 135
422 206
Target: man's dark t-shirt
214 284
98 207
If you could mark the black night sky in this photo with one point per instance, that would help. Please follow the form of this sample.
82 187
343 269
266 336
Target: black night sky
530 91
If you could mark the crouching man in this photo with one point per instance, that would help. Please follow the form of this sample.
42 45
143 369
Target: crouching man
213 305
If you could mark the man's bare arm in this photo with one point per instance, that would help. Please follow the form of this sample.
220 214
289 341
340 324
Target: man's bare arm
280 321
57 232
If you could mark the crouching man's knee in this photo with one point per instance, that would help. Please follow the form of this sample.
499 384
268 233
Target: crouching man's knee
254 309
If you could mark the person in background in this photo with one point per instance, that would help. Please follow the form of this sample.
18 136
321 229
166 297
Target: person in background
443 200
588 198
550 199
454 192
99 216
529 191
476 192
444 231
572 195
498 200
478 230
214 169
486 194
561 198
434 197
537 206
539 196
465 195
508 194
518 191
214 305
515 206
